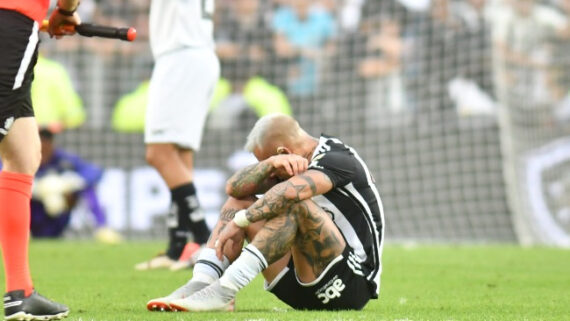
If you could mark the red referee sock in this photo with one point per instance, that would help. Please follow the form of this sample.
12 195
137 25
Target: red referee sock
15 194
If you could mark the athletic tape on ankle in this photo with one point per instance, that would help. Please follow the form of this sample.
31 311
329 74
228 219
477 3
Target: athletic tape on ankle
241 219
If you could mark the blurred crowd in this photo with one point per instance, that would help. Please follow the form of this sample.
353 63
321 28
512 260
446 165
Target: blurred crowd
389 57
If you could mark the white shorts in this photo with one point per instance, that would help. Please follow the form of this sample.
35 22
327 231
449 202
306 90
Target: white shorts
181 86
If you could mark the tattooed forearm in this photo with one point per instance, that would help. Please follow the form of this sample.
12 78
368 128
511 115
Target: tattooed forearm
249 180
310 183
279 199
228 214
271 204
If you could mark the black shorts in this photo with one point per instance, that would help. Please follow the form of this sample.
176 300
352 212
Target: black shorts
338 288
18 56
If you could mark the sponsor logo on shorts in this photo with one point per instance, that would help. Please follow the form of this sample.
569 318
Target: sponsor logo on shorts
332 290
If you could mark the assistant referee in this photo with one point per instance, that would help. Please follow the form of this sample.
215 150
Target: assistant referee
20 147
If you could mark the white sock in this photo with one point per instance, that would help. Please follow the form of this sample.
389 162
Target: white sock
208 267
249 264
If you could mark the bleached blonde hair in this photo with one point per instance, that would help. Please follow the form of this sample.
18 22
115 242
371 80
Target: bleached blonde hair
279 128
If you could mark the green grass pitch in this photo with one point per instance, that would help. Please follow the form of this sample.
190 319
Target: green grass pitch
435 282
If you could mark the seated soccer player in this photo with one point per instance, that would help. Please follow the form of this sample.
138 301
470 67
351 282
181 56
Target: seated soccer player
315 234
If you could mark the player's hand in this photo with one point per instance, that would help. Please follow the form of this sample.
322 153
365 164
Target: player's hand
290 164
230 232
62 25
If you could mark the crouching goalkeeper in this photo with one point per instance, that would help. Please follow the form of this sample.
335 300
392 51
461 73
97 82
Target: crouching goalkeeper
62 180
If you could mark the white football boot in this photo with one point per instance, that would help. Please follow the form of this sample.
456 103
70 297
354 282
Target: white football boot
163 304
215 297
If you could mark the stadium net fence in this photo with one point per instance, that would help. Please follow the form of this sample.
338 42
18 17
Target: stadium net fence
460 108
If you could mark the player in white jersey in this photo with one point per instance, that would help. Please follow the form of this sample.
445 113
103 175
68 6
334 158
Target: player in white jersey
184 76
180 24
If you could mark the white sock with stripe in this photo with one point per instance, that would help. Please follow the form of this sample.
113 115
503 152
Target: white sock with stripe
247 266
208 267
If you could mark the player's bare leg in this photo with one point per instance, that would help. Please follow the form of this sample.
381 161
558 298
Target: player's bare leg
20 149
187 157
20 152
316 240
175 165
171 164
306 232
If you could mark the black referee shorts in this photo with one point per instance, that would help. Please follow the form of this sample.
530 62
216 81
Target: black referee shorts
338 288
18 56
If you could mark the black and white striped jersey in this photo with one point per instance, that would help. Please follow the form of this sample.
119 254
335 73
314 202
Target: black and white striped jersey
354 205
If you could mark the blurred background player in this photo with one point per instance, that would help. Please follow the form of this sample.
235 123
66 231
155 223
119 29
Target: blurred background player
184 76
20 147
62 181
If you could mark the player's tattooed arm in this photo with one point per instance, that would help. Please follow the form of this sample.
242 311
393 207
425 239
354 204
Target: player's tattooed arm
251 180
231 249
282 196
226 216
259 178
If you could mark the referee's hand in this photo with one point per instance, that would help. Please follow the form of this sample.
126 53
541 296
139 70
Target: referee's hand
62 25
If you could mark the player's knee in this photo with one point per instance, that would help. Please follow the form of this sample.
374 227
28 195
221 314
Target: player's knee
158 155
27 163
151 156
31 166
300 209
28 168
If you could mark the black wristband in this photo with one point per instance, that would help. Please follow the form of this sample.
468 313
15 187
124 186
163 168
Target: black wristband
68 13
